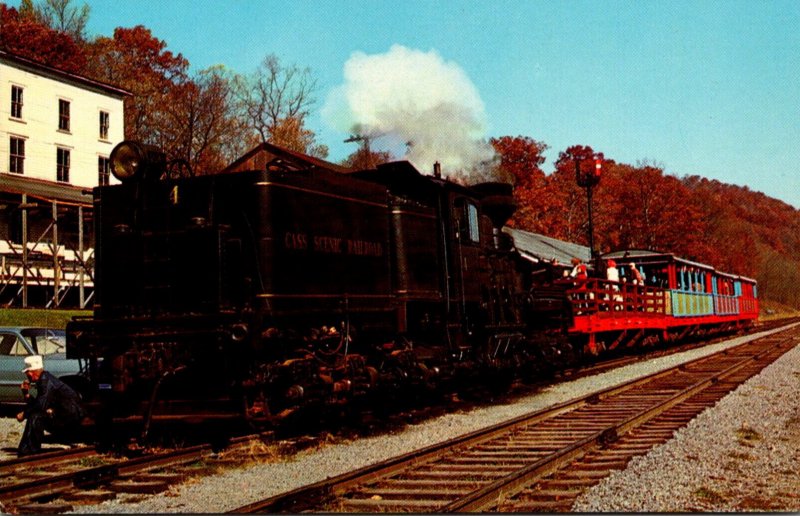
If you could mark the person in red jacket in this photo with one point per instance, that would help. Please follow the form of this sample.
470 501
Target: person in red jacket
578 270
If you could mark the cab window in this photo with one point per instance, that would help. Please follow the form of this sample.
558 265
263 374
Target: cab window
467 220
473 233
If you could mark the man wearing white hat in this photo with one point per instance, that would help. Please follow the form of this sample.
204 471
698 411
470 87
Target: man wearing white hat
56 407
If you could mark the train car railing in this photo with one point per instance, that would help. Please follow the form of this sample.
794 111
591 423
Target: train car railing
726 305
748 307
600 297
605 298
691 304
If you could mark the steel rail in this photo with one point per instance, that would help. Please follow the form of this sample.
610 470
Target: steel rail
325 492
8 467
50 486
510 485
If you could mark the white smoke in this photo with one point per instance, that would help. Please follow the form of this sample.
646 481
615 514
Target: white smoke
407 95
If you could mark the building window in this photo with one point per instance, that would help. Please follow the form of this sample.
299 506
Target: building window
63 115
104 118
62 165
103 170
16 102
16 160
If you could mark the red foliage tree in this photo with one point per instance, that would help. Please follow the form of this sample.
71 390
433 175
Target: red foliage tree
365 158
650 210
27 38
521 158
136 60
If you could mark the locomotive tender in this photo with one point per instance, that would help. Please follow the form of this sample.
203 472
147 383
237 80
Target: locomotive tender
255 293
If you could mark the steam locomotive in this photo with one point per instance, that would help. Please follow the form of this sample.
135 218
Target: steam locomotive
254 294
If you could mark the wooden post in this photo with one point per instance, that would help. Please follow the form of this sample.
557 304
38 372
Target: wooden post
56 264
81 298
24 251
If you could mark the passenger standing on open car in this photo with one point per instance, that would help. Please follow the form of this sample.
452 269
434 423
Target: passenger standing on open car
636 275
579 275
56 407
578 270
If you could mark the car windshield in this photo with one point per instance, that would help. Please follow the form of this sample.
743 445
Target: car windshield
45 341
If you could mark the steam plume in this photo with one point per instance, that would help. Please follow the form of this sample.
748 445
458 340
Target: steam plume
407 95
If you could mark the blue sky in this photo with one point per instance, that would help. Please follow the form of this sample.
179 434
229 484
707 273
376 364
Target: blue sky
698 87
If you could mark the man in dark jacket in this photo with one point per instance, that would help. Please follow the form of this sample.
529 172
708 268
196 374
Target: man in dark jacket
55 407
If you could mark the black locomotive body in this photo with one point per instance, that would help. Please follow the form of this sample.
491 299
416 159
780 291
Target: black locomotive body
255 293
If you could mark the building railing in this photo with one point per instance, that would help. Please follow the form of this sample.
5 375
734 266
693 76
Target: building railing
42 265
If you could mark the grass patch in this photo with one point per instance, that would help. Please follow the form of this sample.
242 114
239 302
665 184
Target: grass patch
740 455
771 310
91 462
747 436
57 319
758 504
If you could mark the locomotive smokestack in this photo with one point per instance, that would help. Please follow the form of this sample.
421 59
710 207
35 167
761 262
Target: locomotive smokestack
498 204
437 170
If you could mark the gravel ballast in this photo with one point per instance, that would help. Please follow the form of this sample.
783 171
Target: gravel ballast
741 455
755 431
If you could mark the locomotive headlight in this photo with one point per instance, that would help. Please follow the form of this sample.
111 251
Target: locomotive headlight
133 160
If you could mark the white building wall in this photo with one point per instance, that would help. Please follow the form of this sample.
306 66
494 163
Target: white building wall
39 124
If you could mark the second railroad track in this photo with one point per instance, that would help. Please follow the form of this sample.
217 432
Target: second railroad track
545 460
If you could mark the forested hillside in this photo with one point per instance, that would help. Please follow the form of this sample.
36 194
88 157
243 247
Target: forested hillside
639 206
211 117
765 231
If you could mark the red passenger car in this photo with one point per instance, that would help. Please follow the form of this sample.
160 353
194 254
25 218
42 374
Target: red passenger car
677 298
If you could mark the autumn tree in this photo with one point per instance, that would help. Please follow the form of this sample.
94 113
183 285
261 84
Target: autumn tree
365 158
778 277
137 61
651 210
58 15
27 37
521 158
572 202
275 102
201 128
291 133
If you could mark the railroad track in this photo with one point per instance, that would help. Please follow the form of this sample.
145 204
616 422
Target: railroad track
59 481
542 461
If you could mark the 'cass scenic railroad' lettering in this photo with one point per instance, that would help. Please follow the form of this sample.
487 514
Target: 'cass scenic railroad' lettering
332 245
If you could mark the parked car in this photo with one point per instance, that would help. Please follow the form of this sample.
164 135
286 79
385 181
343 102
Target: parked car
16 343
